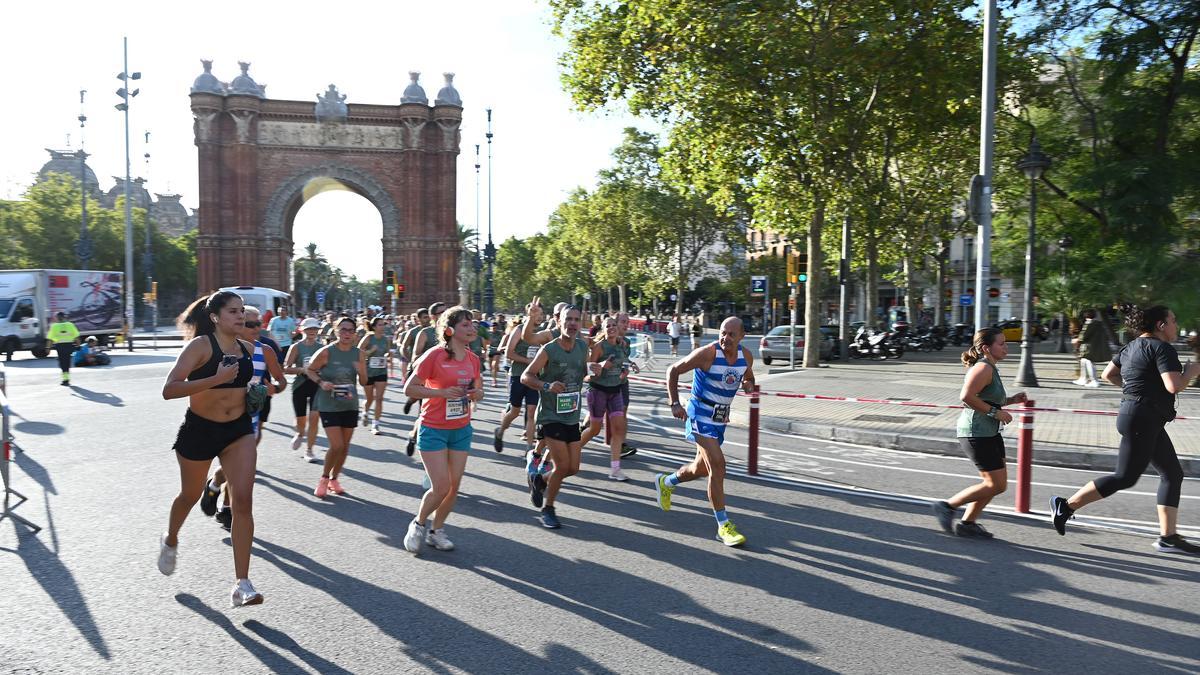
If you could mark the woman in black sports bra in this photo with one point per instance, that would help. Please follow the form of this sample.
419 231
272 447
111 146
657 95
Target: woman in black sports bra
212 371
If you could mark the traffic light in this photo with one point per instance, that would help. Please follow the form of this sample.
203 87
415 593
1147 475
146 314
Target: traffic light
797 268
399 290
154 291
389 282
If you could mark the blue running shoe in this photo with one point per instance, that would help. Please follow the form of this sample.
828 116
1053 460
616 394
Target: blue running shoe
549 520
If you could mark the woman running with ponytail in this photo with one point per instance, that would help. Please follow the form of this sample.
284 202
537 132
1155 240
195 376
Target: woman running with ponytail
335 369
608 366
212 371
377 349
447 380
979 432
1150 375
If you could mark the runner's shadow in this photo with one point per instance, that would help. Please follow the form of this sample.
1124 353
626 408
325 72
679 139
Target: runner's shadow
57 582
276 663
39 428
285 641
98 396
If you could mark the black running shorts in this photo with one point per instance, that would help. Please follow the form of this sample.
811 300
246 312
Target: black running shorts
567 433
986 451
201 440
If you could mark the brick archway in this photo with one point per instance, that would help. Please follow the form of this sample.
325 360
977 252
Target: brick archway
257 156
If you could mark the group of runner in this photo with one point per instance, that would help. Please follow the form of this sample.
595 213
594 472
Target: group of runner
227 368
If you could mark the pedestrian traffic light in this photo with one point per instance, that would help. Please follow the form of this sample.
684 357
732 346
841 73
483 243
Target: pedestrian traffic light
399 290
797 268
389 282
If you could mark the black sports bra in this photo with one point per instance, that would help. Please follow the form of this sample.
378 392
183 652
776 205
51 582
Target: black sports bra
245 367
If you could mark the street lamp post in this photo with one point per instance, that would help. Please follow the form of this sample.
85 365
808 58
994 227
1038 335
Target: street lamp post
1063 244
1033 166
123 106
489 252
83 247
148 255
476 261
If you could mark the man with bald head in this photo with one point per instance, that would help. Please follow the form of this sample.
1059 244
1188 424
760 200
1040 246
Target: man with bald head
719 369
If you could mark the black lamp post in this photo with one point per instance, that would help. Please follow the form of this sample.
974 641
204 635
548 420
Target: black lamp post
489 251
1033 165
1063 244
83 247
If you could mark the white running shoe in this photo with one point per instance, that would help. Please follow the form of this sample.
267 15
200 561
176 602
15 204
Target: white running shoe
308 456
375 428
296 440
1081 381
617 474
244 594
166 556
439 540
1094 384
412 540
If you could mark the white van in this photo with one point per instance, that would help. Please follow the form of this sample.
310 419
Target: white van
265 299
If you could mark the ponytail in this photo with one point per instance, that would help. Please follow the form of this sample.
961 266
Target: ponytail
984 337
196 320
1139 320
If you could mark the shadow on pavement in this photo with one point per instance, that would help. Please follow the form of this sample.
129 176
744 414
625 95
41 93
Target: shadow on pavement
58 583
98 396
38 428
285 641
275 662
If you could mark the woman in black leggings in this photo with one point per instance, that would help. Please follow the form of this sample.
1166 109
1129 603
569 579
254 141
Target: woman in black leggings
1149 374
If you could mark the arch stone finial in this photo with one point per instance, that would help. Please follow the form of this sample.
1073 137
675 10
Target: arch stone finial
276 214
414 92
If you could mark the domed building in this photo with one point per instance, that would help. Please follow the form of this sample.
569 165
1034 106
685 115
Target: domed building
68 162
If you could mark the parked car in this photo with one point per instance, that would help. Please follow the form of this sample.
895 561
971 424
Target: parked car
1012 330
776 343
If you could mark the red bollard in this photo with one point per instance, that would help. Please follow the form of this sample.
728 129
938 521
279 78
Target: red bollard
752 453
1024 455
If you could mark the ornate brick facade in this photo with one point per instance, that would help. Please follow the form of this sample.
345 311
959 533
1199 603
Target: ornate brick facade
261 158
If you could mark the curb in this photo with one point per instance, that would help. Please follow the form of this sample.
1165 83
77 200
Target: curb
1049 455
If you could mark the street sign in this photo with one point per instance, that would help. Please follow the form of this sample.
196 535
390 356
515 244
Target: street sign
320 296
758 286
966 299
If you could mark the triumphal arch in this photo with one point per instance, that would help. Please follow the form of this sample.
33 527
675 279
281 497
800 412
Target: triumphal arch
261 158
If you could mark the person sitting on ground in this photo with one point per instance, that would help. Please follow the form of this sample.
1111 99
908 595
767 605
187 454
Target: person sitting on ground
90 354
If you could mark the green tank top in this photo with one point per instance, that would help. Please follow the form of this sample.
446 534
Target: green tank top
303 354
340 369
611 377
525 349
381 348
568 368
973 424
430 333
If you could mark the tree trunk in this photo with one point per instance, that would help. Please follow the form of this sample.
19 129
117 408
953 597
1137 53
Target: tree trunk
609 304
872 281
910 303
812 290
622 294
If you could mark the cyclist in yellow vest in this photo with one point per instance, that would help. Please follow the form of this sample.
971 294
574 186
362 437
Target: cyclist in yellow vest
63 337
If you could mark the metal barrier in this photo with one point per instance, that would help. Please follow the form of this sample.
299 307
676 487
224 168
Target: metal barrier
6 438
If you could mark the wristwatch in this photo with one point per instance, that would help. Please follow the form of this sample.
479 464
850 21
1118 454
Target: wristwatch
545 386
992 413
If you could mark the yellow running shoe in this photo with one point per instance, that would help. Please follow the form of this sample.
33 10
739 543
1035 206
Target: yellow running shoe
729 535
664 491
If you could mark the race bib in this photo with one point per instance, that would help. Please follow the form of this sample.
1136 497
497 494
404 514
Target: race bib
307 360
377 362
566 402
457 408
343 392
721 413
531 353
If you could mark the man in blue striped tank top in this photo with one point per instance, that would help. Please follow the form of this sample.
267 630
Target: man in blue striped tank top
719 370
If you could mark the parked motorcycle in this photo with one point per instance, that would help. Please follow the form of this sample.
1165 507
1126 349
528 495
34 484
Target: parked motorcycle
872 344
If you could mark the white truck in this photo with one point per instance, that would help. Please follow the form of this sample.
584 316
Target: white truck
29 299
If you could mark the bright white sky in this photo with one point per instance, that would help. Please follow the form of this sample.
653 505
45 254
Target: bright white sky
502 53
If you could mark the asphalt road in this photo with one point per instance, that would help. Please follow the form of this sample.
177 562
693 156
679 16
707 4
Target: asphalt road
833 578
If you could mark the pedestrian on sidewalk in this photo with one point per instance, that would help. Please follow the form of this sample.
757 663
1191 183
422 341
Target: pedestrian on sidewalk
979 436
212 371
447 380
720 369
62 338
1150 375
674 331
1093 348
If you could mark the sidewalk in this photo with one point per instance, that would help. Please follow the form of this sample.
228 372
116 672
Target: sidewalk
1064 439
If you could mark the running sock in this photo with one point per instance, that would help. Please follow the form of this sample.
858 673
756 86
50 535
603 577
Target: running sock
616 465
213 486
672 480
721 516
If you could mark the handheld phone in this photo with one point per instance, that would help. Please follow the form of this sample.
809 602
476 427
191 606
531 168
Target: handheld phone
229 359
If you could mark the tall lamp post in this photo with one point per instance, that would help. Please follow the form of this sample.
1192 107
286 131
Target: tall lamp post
83 247
125 96
1063 245
1033 165
148 254
476 261
489 251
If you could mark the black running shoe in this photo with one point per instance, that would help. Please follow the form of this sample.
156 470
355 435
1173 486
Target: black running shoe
408 406
411 447
498 440
549 520
966 528
627 450
1060 513
1176 544
208 501
945 515
225 518
537 490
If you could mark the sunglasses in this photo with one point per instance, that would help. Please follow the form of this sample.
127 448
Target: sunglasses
345 330
253 324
